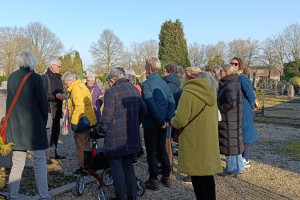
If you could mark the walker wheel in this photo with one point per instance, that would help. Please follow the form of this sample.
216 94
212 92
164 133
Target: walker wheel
80 184
103 194
107 177
140 186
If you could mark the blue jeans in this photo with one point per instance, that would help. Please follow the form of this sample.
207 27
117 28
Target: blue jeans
155 142
123 176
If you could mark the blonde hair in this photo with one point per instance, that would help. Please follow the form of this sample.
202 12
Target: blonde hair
216 70
154 63
229 69
193 72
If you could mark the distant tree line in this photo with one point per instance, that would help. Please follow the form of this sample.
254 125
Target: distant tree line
281 51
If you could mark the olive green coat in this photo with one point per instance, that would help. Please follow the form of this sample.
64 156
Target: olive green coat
198 153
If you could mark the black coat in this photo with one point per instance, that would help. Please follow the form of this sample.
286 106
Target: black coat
27 123
55 105
230 106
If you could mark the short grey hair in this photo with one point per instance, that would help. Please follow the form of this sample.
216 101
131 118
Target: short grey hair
69 76
53 61
115 74
91 76
26 59
154 63
130 75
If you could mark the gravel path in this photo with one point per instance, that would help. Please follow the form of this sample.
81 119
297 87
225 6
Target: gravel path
271 176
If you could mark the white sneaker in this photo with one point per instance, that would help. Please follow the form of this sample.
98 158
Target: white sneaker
246 163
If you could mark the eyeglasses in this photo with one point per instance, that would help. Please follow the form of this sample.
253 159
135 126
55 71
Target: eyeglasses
59 66
235 64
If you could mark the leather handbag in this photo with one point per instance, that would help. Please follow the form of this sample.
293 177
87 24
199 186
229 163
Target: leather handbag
177 132
6 148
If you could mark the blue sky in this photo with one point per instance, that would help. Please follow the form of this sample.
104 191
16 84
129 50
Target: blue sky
79 23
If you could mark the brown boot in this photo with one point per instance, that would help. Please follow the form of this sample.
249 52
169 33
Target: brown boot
166 181
152 184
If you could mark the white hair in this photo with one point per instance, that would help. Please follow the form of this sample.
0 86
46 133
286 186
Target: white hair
130 75
115 74
69 76
54 61
91 76
26 59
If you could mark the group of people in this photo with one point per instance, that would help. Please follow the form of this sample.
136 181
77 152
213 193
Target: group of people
161 105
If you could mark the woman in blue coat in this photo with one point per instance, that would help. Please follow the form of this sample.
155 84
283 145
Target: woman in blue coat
248 100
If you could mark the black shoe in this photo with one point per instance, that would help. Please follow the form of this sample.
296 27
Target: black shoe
77 172
59 157
49 162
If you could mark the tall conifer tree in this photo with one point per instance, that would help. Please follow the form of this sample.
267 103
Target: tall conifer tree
172 45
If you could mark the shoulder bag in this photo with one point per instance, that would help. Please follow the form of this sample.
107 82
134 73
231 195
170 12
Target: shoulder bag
6 148
177 132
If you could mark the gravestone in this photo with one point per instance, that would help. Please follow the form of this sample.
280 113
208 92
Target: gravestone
276 87
3 85
291 92
5 161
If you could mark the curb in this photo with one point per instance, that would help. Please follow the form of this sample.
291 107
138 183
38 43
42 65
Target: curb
54 192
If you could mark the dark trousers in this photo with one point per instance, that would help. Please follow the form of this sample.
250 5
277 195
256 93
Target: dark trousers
53 136
155 141
247 148
82 143
123 176
204 187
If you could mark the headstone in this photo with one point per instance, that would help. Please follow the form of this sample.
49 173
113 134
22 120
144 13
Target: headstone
276 87
291 92
254 80
3 85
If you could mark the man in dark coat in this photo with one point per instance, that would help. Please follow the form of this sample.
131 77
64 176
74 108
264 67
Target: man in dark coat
122 115
26 125
54 90
161 106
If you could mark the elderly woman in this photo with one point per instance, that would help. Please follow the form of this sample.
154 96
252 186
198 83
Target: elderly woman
130 75
122 115
97 95
198 153
81 113
27 125
215 72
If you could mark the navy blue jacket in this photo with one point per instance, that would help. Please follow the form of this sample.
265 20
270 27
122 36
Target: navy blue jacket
121 118
159 100
174 83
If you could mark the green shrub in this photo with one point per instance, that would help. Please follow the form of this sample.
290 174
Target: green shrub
101 78
295 80
3 78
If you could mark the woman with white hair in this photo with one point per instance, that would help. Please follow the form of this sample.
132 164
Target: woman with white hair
198 152
97 95
81 114
27 125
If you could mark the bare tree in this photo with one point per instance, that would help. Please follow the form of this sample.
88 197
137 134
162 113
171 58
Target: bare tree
43 43
11 44
248 50
141 51
197 54
291 35
108 50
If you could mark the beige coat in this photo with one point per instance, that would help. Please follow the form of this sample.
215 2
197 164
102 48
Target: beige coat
198 153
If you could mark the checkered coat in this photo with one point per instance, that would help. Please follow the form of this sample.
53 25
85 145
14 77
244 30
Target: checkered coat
121 117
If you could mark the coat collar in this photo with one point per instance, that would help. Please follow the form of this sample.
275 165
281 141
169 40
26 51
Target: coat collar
75 83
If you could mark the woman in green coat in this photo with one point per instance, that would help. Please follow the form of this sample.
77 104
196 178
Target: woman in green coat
198 153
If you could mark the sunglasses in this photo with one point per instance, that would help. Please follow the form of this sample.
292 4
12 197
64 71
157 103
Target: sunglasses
235 64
